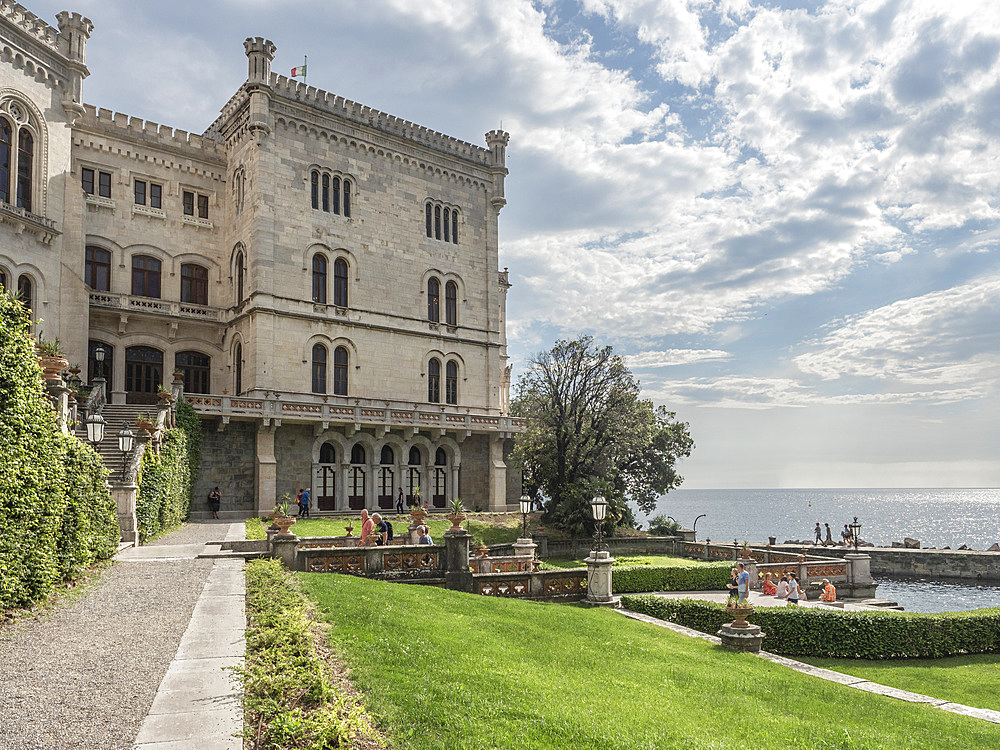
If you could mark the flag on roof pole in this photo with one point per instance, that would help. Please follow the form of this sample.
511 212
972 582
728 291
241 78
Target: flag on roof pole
301 70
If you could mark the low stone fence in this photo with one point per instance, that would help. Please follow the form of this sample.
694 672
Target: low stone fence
973 566
545 584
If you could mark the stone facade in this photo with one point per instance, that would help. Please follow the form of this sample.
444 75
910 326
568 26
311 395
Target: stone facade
325 275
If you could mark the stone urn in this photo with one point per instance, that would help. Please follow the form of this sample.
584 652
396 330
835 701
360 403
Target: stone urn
145 425
482 550
284 523
165 396
52 366
349 529
456 520
740 615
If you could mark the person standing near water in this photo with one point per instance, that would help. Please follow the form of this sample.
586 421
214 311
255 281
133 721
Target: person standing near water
742 583
819 534
829 536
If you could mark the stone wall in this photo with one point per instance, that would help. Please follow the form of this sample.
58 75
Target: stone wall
474 478
966 565
227 460
293 450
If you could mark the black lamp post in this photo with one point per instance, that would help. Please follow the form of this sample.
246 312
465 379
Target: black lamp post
99 357
855 528
126 440
525 510
599 507
95 428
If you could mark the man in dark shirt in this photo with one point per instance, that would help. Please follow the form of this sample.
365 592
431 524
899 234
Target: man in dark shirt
381 530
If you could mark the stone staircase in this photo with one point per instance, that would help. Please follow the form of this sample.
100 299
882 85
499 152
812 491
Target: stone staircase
115 416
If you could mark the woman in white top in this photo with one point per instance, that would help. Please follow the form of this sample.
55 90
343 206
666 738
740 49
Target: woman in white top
793 590
782 592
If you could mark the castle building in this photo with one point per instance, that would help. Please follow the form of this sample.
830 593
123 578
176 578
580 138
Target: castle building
323 276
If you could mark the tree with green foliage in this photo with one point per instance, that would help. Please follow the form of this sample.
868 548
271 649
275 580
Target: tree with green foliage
589 433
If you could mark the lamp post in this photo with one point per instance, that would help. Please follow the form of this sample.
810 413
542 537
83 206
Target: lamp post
95 428
99 357
126 440
855 528
525 510
599 507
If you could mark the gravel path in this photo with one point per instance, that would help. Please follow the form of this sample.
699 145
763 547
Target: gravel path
84 674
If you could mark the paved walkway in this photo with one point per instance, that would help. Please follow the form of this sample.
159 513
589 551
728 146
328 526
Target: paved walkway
130 660
757 599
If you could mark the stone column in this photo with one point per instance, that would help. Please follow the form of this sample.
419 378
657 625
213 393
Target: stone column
124 497
859 571
498 475
542 543
599 579
267 470
457 574
283 547
524 547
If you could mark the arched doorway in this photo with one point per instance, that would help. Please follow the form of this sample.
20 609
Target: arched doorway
386 478
326 478
356 478
440 497
413 477
143 374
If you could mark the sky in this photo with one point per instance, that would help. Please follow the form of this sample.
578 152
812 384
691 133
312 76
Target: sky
785 215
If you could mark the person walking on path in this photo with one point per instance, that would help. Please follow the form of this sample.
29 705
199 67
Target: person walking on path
829 536
819 534
399 502
305 503
298 503
742 582
215 502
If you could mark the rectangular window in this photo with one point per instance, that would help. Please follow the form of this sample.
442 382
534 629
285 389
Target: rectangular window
140 192
88 181
202 206
104 184
155 195
188 203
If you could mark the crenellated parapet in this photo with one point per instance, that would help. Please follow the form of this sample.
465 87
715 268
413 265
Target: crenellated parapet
74 31
125 126
31 24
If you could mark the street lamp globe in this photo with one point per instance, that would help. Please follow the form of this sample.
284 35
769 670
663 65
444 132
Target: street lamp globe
126 440
99 354
855 532
95 428
525 510
599 507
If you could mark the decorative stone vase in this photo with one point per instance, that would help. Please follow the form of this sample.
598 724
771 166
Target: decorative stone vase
482 551
349 529
284 523
740 615
418 513
178 376
456 520
52 366
165 396
145 425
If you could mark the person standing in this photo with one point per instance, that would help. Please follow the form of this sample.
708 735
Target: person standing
819 534
742 583
425 537
793 590
215 502
399 502
298 503
829 536
304 499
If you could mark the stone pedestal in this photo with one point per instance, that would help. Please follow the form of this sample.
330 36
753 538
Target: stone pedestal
414 529
524 547
283 547
457 574
741 639
599 579
124 497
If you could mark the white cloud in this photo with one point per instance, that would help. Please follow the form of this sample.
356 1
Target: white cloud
672 357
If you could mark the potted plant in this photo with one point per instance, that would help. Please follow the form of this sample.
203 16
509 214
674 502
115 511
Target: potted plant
457 514
740 609
144 423
417 511
50 358
280 516
480 547
164 394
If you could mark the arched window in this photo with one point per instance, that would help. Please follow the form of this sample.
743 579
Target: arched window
238 369
197 368
143 374
3 280
326 193
428 221
451 303
194 284
414 458
340 371
356 478
239 278
347 198
340 282
454 226
358 454
451 382
314 188
437 222
327 454
319 279
434 381
336 195
97 272
25 159
6 146
24 292
440 457
447 225
319 369
440 497
145 276
387 456
239 188
413 476
433 300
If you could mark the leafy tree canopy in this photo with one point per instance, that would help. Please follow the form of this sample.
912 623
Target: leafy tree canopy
589 433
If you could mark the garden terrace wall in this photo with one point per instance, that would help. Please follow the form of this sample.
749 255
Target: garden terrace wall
568 585
409 562
967 565
794 631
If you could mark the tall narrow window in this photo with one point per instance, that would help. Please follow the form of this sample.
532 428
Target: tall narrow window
25 158
451 303
336 195
437 222
340 282
314 188
358 454
451 382
347 198
340 371
3 281
238 369
239 278
24 292
155 195
434 381
6 144
202 206
447 225
87 180
433 300
428 222
194 284
197 369
319 279
319 369
97 271
188 201
145 276
326 192
104 184
140 192
454 226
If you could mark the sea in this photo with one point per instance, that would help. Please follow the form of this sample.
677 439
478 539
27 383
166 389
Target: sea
936 517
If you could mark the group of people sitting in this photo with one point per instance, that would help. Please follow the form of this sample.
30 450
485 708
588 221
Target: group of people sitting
376 530
788 588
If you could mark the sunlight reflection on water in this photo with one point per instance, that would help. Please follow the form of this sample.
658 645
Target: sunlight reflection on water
920 595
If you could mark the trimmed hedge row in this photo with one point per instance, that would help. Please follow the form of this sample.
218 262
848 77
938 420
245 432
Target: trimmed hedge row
631 579
56 513
807 631
164 497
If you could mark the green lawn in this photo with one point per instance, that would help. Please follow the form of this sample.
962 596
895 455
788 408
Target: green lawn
972 680
440 669
660 561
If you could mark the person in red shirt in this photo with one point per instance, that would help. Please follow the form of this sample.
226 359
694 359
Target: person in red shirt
367 529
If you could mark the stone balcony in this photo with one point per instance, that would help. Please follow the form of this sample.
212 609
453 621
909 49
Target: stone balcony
25 221
356 413
129 303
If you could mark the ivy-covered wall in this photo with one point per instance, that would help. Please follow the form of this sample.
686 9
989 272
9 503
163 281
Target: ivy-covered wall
164 497
56 513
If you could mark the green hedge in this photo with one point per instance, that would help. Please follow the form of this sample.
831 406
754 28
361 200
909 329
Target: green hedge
631 579
187 420
807 631
164 497
56 513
